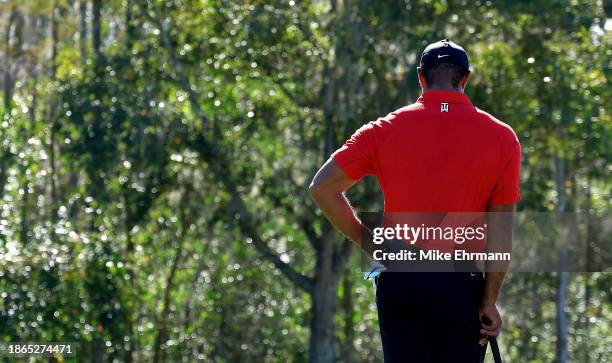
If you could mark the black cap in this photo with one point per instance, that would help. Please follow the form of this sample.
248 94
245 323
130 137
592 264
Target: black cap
444 51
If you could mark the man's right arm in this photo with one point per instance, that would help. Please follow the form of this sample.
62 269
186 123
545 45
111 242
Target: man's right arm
327 190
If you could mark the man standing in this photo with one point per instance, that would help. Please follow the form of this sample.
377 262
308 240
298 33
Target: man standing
440 154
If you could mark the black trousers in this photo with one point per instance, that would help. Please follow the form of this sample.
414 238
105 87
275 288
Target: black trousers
429 316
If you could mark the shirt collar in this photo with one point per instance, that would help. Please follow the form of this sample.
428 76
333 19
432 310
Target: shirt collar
444 96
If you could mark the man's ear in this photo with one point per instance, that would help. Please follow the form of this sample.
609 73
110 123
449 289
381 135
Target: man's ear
464 80
421 77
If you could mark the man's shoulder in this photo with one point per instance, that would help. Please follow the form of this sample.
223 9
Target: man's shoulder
411 108
501 129
407 111
393 117
388 121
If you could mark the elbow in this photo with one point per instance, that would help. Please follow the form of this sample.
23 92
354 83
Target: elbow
314 190
318 190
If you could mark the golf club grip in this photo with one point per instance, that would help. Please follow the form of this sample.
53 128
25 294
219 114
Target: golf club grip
493 341
495 350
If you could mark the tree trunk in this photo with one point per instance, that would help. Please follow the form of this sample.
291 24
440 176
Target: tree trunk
83 30
5 160
321 325
25 203
349 326
129 249
587 274
97 351
6 157
162 330
51 115
322 337
562 328
54 36
11 53
130 31
95 27
562 281
323 303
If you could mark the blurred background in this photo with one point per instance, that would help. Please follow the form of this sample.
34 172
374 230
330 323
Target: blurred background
155 158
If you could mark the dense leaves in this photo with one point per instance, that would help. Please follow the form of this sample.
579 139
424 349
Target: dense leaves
154 159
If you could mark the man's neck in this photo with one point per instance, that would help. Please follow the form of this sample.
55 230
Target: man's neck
442 88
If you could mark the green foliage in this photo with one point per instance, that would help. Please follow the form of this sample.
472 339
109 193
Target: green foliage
123 172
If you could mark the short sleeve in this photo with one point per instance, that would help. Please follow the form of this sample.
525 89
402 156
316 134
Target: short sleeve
356 155
507 189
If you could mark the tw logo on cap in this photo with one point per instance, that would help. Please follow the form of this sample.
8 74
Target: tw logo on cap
444 107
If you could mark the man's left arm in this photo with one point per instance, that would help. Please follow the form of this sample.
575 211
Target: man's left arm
500 213
499 239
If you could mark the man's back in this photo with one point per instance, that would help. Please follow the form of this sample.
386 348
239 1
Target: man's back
440 154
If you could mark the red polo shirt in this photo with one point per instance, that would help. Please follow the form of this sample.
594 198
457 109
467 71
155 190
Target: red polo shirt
440 154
